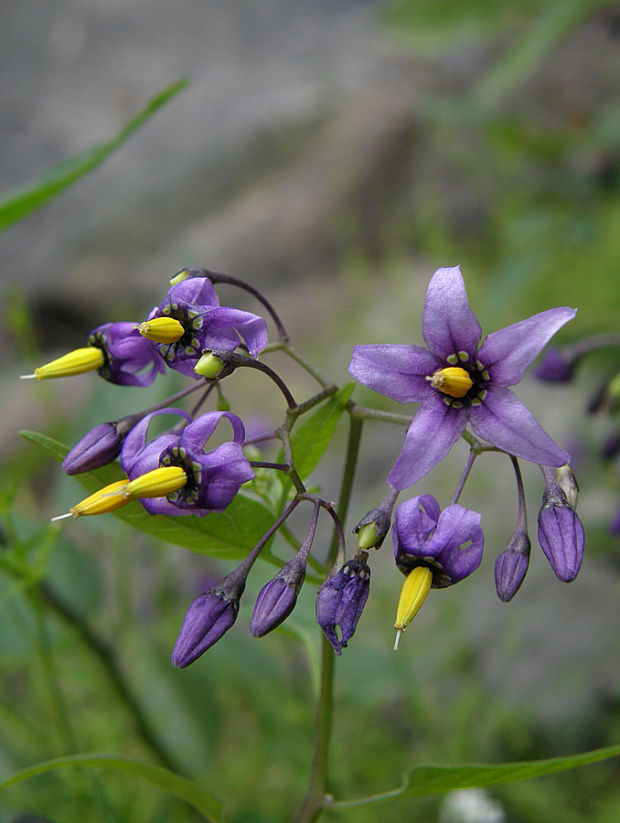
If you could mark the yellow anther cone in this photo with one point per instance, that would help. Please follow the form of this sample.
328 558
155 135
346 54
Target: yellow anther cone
75 362
107 499
162 330
413 593
452 380
157 483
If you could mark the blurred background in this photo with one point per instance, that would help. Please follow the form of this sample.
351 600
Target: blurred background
332 154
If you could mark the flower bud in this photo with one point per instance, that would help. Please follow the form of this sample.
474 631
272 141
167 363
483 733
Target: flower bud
511 566
561 538
341 599
206 620
556 366
98 447
374 526
560 532
274 603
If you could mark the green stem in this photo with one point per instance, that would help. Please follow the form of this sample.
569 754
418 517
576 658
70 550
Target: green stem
314 801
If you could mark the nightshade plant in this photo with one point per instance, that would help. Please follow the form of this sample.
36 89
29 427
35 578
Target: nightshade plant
461 386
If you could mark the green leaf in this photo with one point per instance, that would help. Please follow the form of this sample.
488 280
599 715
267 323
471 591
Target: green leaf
312 438
187 790
18 202
231 533
425 780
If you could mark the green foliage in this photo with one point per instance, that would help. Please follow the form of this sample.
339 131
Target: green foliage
19 202
311 438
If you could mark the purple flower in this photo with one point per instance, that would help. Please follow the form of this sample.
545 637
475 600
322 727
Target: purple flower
206 324
341 600
457 382
448 542
98 447
560 532
129 359
213 477
511 566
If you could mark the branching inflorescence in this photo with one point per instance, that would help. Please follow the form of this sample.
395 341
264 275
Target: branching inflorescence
461 386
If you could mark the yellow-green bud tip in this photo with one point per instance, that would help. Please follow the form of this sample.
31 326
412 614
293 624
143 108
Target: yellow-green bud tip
162 330
413 593
452 380
157 483
209 366
179 277
367 537
75 362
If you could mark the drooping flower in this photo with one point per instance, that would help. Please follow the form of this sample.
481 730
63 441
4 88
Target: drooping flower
458 381
213 478
200 323
560 531
433 549
115 351
341 600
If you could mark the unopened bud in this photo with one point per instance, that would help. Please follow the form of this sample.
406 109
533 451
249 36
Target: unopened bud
209 366
511 566
97 448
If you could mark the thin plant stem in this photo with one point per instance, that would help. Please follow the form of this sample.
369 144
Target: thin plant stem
463 479
315 797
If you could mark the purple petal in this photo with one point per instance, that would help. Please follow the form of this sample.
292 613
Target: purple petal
503 421
434 430
195 291
136 439
508 352
398 372
457 527
225 469
448 324
222 327
196 434
414 520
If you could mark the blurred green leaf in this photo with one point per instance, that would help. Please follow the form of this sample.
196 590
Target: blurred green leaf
426 780
187 790
231 533
18 202
312 438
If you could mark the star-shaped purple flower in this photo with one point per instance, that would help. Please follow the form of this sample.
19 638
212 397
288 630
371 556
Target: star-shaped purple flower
213 477
448 542
206 324
458 381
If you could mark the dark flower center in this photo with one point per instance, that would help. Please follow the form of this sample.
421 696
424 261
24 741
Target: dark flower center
461 383
190 344
187 495
98 341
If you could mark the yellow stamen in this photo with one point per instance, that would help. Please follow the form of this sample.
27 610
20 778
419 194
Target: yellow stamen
75 362
452 380
162 330
208 366
413 593
107 499
157 483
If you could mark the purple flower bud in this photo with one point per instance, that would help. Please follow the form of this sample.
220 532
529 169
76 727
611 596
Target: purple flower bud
206 620
274 603
556 366
97 448
560 533
341 599
511 566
